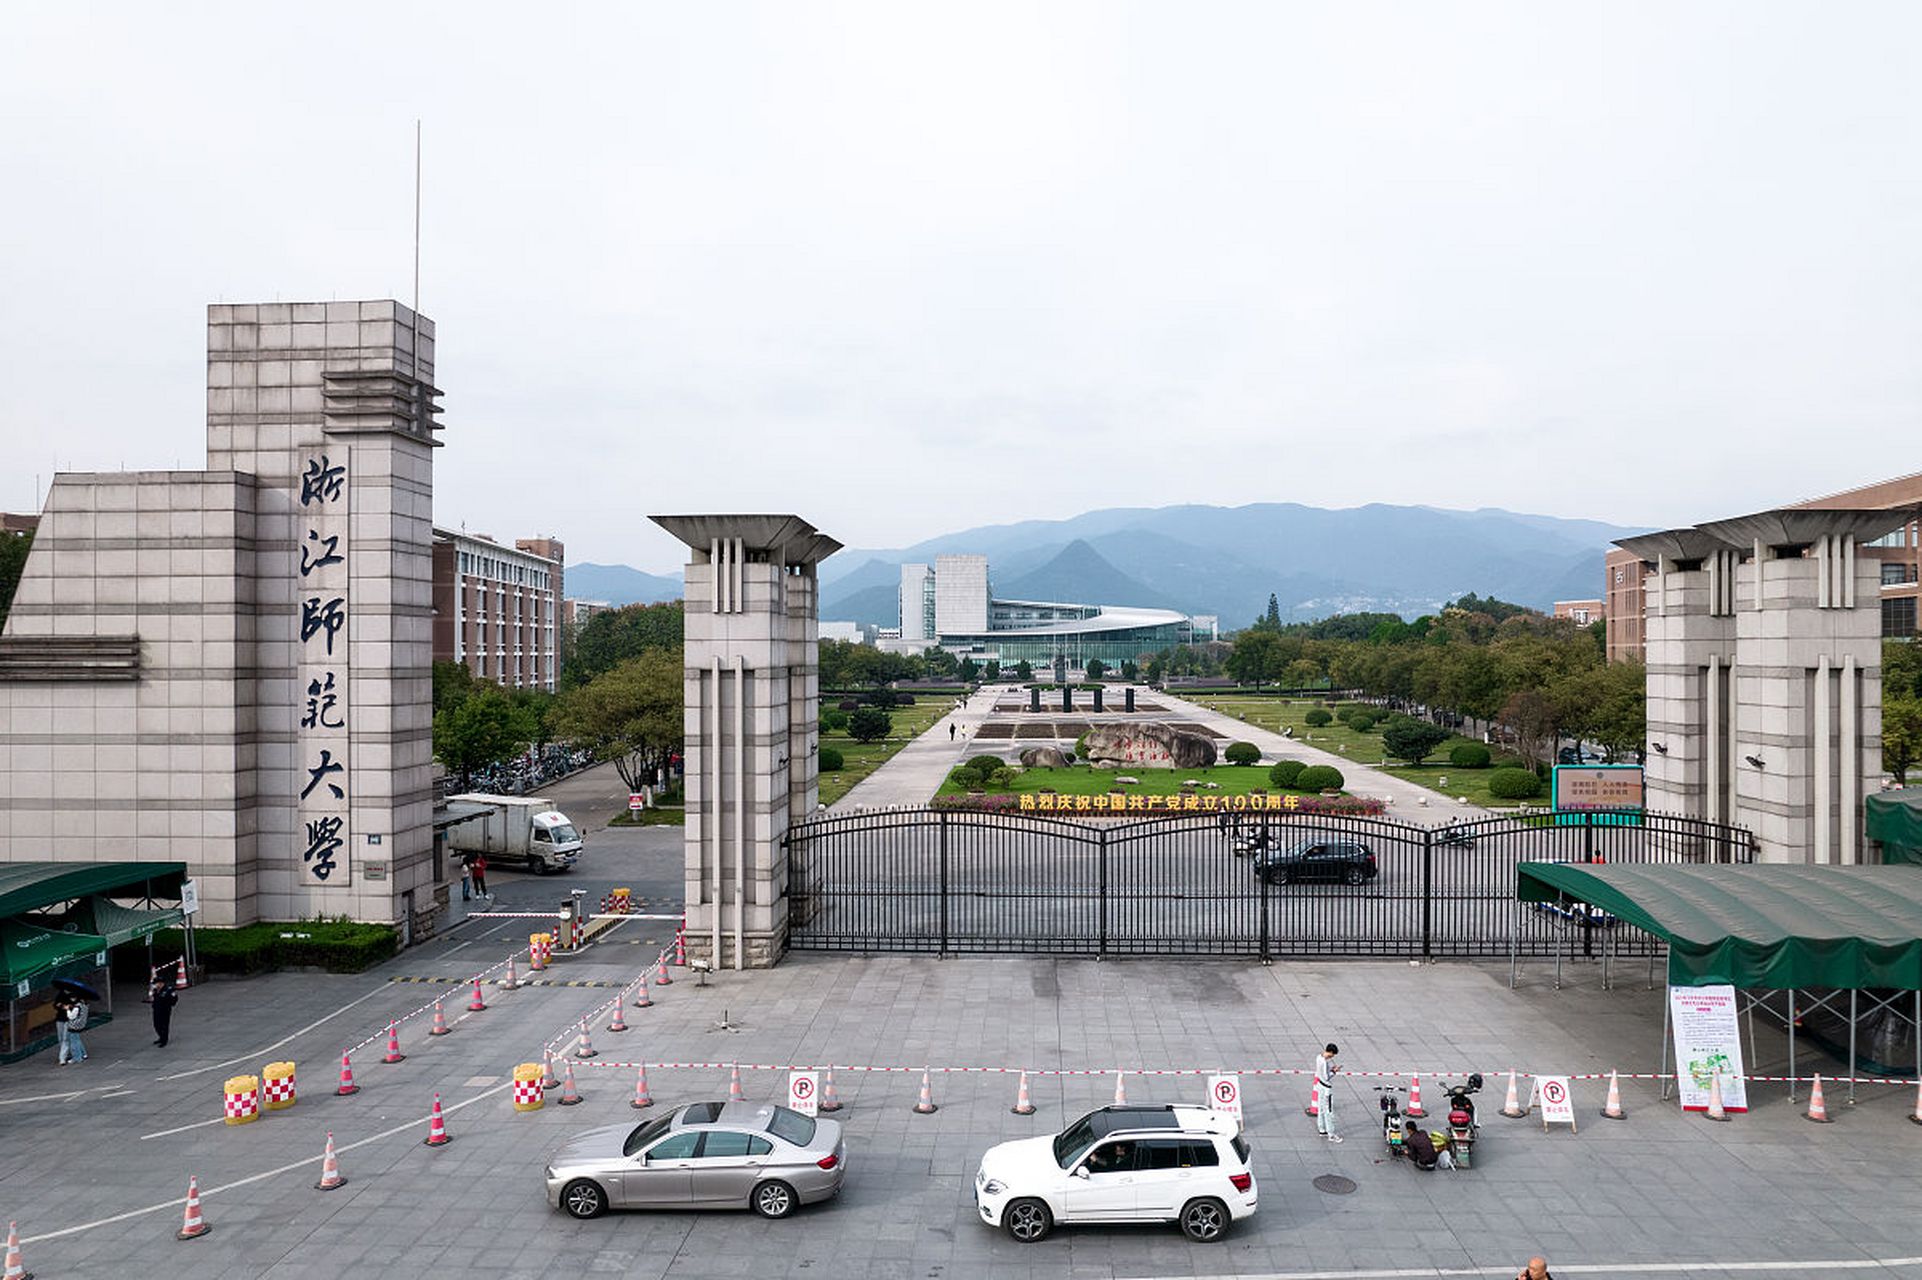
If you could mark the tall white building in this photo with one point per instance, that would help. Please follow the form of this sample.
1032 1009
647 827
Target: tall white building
960 595
917 603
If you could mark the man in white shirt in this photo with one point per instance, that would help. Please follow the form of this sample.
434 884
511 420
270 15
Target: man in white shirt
1325 1069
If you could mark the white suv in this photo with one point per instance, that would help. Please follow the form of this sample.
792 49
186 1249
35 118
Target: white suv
1121 1164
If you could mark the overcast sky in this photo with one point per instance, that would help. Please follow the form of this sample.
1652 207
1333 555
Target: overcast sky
903 269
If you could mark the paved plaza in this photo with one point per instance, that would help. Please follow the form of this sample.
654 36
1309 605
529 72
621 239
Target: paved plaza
94 1160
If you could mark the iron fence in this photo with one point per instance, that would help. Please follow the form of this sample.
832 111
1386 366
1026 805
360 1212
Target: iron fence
948 882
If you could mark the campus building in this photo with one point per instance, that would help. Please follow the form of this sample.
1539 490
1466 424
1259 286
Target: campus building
1581 612
497 609
951 605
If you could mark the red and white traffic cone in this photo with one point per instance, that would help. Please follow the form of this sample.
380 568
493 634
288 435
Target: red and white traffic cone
661 976
680 941
329 1169
477 1004
393 1053
926 1107
585 1049
192 1225
617 1023
16 1265
180 974
641 999
1818 1109
440 1020
1121 1089
641 1098
1414 1108
830 1101
512 981
436 1127
347 1086
1716 1111
1314 1100
569 1094
1022 1105
1612 1109
1512 1105
548 1079
534 964
734 1093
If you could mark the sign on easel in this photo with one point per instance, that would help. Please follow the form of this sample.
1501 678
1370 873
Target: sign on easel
1707 1040
1224 1095
803 1092
1558 1104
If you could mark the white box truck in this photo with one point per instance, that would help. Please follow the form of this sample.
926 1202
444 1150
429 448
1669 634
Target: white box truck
517 830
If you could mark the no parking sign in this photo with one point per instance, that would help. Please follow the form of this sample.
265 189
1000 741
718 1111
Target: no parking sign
1558 1105
803 1092
1224 1095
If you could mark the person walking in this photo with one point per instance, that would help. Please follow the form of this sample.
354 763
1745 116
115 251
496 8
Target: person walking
1325 1070
61 1030
478 869
76 1023
950 731
164 1000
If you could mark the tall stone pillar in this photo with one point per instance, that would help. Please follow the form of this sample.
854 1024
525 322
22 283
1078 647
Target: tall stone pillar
752 713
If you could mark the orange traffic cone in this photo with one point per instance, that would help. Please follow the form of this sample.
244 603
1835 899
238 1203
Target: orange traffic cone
534 964
476 1004
192 1225
330 1169
1916 1117
1414 1108
680 942
16 1266
347 1086
393 1053
512 981
1314 1100
1612 1109
585 1049
926 1107
617 1023
1022 1105
641 1098
436 1127
641 999
1818 1109
440 1020
734 1093
1512 1106
1716 1111
569 1094
661 978
548 1079
830 1101
1121 1089
180 974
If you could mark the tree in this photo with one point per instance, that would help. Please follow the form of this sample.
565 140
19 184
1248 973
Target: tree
1531 718
480 730
1023 671
992 672
453 684
1096 668
869 724
1413 740
13 562
1255 656
1901 736
941 665
1156 670
631 715
968 670
1129 671
608 639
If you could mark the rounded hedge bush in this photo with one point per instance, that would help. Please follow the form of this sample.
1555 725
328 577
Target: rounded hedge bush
833 721
1285 772
1315 718
903 699
1361 722
1242 753
1514 784
1001 779
1319 777
848 704
831 761
1469 755
982 766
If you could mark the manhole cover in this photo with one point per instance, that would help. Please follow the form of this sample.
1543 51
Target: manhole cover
1334 1184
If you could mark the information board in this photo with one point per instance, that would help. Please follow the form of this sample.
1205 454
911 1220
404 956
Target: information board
1707 1041
1584 788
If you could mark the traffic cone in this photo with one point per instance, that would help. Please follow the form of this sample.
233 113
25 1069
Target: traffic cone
569 1094
830 1101
1612 1109
534 964
180 974
192 1225
617 1023
661 978
1716 1111
1818 1109
1414 1109
477 1004
512 981
641 1098
641 999
1314 1100
330 1169
680 941
16 1265
1022 1106
440 1020
734 1093
1916 1118
585 1049
548 1079
926 1106
347 1086
436 1127
1121 1089
1512 1106
393 1053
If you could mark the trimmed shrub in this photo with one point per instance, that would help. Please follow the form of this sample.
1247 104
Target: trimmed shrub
334 945
1242 753
1319 777
982 766
878 698
833 721
903 699
848 704
1316 718
1362 722
869 724
1514 784
1001 779
831 761
1285 773
1469 755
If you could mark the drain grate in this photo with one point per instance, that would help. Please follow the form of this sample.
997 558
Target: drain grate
1335 1185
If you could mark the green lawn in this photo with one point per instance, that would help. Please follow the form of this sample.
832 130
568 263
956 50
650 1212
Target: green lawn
1274 714
863 758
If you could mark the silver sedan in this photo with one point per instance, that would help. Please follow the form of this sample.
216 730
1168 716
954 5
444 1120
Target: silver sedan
706 1155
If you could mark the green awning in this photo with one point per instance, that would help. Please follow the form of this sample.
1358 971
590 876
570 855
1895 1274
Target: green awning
31 948
118 924
1774 927
1895 819
29 886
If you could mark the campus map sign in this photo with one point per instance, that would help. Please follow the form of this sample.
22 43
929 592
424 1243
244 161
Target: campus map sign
1707 1041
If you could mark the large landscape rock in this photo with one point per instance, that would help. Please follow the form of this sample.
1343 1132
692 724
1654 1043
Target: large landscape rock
1044 758
1149 744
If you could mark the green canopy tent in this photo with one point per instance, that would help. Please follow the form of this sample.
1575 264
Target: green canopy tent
1775 928
1895 821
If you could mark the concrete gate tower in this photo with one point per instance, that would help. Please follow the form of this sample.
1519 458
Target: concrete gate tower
752 717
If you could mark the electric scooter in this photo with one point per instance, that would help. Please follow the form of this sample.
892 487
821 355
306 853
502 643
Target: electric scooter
1391 1122
1462 1127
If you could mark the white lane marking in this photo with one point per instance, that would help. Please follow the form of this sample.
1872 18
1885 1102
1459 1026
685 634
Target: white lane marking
48 1097
457 946
205 1192
1584 1268
257 1053
198 1124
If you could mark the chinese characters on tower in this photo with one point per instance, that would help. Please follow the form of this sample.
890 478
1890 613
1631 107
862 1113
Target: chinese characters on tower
321 829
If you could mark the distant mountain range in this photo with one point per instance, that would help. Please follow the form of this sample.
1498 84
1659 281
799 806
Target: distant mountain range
1220 560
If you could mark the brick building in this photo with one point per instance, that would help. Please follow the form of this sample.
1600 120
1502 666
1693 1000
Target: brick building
497 608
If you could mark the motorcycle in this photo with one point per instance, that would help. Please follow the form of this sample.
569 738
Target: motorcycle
1391 1121
1462 1126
